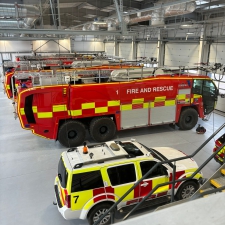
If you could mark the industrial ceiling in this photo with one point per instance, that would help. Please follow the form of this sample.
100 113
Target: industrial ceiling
64 18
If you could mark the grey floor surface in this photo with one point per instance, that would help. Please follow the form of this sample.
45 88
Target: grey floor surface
28 165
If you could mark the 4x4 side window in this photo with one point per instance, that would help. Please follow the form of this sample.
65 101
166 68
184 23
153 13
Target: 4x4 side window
158 171
122 174
86 181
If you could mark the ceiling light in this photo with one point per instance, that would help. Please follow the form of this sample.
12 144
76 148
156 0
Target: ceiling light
99 22
190 33
125 12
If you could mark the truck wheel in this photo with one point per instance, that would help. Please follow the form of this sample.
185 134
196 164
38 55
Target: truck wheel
72 133
186 190
188 119
102 129
97 212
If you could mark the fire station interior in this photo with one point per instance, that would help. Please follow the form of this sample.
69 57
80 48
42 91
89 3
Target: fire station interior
171 36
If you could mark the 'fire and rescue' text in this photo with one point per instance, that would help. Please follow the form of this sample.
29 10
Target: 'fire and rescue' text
146 90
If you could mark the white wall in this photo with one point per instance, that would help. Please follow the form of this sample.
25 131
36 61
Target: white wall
181 54
15 46
57 46
126 50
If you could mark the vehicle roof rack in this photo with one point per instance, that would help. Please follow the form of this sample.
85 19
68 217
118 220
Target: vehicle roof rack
97 153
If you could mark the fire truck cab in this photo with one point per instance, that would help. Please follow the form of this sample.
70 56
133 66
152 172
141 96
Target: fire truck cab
64 112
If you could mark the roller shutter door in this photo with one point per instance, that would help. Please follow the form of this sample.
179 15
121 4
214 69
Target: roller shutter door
181 54
125 50
110 48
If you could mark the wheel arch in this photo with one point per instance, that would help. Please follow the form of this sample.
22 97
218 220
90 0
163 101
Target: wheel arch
87 209
183 182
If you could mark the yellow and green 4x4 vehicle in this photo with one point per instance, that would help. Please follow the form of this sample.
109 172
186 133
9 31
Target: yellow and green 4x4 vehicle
88 184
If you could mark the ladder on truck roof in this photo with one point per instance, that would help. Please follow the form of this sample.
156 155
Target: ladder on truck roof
42 63
96 154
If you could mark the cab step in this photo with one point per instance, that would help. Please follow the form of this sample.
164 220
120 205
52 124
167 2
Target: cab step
218 182
152 202
223 171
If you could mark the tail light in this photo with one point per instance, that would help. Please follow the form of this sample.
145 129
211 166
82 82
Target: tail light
68 201
215 148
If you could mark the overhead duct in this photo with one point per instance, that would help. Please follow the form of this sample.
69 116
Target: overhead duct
18 15
157 16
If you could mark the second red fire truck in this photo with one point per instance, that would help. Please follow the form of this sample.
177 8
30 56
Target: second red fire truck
65 111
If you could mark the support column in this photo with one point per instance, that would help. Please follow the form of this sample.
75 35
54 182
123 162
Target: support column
203 47
161 49
116 49
134 48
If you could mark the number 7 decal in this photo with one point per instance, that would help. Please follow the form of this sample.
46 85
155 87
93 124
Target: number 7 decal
76 198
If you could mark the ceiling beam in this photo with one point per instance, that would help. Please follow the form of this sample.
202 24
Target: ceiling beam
60 32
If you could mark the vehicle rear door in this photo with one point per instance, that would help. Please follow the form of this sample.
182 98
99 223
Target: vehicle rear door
86 188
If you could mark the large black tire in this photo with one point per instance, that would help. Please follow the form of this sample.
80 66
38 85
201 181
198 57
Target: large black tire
97 212
188 119
102 129
72 133
186 190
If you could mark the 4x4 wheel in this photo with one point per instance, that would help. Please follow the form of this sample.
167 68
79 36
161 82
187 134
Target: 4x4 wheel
97 212
186 190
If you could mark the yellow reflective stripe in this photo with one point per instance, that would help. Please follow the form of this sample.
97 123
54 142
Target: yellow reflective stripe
69 113
189 172
101 109
126 107
197 96
182 96
77 112
152 104
88 105
160 99
16 85
34 108
59 108
137 101
160 180
169 102
7 86
22 112
44 115
145 105
120 190
114 103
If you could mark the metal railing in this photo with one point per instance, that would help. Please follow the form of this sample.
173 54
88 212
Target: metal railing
173 182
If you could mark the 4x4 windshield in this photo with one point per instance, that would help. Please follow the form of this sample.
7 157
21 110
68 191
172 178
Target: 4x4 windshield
62 173
157 154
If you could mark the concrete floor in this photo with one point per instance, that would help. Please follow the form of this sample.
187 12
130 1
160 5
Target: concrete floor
28 165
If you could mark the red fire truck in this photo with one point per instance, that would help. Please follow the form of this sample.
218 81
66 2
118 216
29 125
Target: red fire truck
64 112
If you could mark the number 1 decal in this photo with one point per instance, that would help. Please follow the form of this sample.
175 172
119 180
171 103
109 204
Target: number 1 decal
76 198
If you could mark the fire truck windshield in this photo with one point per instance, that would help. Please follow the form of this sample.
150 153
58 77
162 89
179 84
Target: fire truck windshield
209 93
